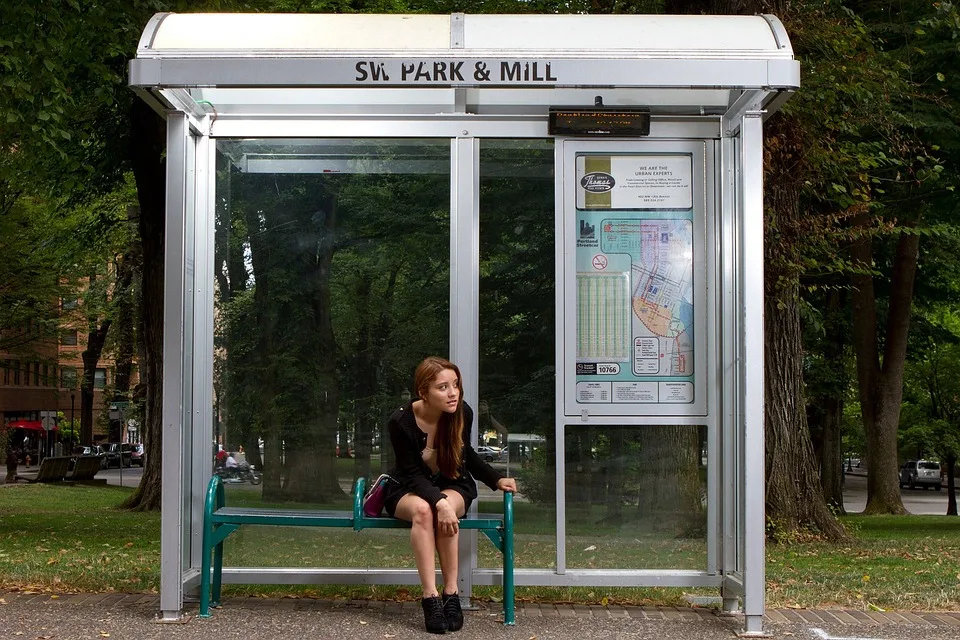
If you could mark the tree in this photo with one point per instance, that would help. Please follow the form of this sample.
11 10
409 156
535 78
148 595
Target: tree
794 498
921 117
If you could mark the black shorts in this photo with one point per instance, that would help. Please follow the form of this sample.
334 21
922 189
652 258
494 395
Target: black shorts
396 491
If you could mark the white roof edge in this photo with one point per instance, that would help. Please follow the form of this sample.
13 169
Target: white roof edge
564 35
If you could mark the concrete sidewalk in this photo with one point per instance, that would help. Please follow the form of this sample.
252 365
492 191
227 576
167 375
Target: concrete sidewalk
121 616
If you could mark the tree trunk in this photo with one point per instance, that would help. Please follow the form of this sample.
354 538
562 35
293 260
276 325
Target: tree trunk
615 477
951 461
96 338
880 384
795 499
149 168
831 454
828 405
669 480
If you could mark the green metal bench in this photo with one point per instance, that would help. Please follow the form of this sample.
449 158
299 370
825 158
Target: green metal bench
220 521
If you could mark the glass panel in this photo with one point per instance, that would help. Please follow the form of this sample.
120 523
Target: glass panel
516 408
636 497
99 378
332 283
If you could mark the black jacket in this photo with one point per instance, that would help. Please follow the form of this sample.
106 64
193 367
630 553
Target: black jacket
415 476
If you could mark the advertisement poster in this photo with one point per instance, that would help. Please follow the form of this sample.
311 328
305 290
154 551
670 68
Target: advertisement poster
635 289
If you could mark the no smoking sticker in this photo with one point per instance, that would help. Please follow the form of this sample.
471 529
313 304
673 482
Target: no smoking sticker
600 262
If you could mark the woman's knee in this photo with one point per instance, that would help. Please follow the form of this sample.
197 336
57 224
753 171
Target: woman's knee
422 513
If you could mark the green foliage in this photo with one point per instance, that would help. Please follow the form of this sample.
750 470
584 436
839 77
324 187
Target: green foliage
931 412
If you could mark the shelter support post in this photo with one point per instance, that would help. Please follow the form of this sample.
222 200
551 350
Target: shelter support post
171 539
751 391
464 306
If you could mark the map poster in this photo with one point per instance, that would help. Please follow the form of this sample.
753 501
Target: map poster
634 279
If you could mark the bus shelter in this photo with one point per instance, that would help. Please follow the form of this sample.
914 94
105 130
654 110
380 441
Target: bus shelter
570 207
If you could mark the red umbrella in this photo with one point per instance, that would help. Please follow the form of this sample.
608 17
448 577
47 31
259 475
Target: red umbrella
32 425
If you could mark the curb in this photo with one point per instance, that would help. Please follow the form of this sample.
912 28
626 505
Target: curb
946 619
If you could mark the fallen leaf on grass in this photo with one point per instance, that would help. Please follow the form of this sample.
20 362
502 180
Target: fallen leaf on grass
592 547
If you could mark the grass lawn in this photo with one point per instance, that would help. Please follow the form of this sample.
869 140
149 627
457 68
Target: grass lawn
72 538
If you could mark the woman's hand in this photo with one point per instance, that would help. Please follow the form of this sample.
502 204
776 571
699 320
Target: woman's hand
447 522
507 484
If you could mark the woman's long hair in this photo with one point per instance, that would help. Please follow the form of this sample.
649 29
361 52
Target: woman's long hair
449 437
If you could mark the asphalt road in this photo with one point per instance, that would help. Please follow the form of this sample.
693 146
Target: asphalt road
916 501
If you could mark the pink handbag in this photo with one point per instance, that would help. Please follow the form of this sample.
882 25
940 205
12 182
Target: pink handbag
373 501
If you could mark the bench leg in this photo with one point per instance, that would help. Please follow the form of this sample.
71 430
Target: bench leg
217 573
508 560
508 597
205 570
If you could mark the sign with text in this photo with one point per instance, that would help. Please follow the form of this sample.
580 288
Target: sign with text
455 71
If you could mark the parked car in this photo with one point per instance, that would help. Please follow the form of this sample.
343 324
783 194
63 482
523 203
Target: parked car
118 454
920 473
137 455
489 454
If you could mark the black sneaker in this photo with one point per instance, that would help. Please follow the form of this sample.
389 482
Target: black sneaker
433 617
452 611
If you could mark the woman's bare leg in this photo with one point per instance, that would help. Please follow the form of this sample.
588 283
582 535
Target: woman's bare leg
448 546
419 513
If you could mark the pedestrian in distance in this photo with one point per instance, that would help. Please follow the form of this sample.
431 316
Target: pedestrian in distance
433 482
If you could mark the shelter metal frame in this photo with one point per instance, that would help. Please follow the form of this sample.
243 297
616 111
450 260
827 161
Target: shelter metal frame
712 79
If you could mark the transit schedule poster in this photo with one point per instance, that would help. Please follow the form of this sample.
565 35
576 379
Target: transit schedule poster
634 288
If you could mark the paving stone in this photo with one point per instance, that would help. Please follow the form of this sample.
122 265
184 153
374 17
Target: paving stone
880 617
914 618
635 612
845 617
670 613
896 618
78 598
829 616
862 617
950 619
792 615
931 618
810 616
775 615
